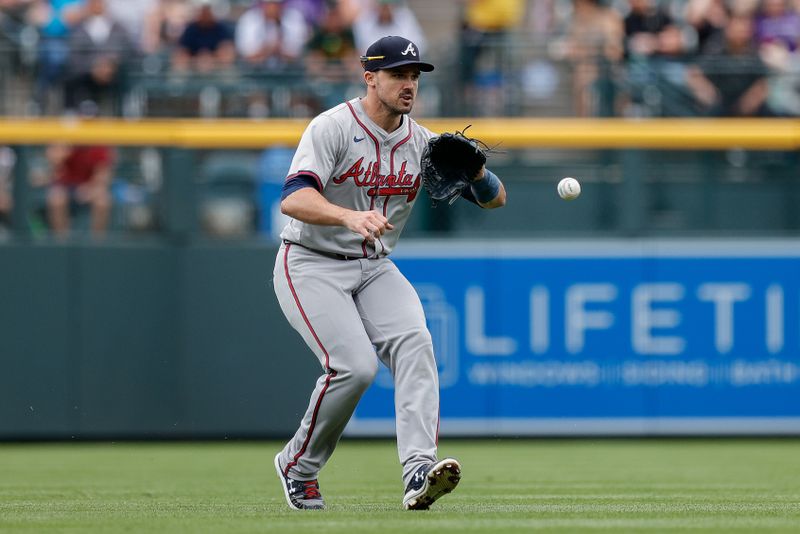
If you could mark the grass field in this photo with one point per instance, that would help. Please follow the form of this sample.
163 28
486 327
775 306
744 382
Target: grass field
508 485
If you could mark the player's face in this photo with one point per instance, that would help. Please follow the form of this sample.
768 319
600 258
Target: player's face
397 88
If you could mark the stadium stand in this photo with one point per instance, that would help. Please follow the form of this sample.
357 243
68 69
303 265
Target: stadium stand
505 58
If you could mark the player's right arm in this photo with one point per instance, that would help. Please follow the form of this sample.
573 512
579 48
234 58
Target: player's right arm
321 147
308 205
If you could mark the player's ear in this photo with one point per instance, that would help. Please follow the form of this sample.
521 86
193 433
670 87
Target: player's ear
369 78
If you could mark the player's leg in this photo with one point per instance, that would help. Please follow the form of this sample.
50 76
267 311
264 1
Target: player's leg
315 294
398 330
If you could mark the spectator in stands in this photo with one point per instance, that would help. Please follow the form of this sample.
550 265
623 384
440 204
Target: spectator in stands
484 27
164 25
331 58
99 46
13 26
53 18
270 38
331 54
15 9
314 10
542 18
13 17
132 17
271 35
206 44
387 17
778 24
777 34
708 18
650 30
81 178
730 79
593 46
656 61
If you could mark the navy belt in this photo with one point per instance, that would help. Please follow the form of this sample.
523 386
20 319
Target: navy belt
332 255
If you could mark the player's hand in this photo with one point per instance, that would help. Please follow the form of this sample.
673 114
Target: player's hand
369 224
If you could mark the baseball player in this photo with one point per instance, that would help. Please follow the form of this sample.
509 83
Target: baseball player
349 192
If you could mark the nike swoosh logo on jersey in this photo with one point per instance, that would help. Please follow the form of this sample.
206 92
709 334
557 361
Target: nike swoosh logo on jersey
358 139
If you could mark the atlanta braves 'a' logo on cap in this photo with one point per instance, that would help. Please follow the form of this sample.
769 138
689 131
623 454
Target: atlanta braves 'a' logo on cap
409 50
393 51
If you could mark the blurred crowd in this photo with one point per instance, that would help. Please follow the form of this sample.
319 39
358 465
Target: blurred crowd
661 58
84 48
685 58
624 57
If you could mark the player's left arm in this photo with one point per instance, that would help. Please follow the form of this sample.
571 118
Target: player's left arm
486 190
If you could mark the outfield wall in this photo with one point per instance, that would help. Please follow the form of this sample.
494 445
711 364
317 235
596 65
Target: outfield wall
173 336
146 340
608 337
153 340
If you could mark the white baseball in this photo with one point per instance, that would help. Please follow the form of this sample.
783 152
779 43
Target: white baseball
569 188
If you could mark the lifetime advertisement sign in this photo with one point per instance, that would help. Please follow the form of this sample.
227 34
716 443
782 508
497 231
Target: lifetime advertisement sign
606 337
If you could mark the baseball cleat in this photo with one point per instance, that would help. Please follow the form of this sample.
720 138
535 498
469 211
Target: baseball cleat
431 482
300 494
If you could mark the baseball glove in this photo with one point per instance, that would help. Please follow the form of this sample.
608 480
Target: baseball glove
449 164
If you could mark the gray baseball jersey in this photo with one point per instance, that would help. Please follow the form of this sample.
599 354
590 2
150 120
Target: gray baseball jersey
361 167
353 312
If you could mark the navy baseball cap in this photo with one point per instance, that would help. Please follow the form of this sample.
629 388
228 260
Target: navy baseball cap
393 51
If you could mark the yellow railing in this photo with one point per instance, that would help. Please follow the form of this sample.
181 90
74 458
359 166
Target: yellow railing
673 134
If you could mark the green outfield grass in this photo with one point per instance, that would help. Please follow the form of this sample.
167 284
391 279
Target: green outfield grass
507 485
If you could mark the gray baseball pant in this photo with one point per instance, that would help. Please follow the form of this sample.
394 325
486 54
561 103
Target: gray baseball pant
346 311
